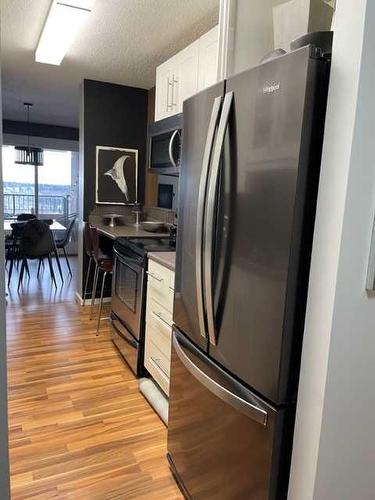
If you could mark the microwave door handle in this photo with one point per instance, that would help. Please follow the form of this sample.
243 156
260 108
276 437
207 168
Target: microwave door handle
201 209
170 149
210 216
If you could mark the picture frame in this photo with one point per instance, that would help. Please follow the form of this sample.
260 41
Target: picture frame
116 176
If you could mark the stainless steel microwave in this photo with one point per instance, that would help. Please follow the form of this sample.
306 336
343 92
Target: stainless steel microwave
165 145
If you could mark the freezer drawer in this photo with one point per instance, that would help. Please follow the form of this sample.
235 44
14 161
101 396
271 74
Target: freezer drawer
224 442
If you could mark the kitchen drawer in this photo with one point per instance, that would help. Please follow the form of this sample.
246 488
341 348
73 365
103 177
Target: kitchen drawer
160 335
156 362
159 284
156 311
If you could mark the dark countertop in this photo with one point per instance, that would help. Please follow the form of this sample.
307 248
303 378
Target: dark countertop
126 232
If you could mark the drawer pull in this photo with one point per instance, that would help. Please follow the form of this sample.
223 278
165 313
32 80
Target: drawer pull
154 276
160 316
170 288
157 362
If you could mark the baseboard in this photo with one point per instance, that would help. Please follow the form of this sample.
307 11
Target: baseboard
79 299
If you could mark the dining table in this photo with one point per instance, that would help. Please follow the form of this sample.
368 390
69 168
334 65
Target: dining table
56 226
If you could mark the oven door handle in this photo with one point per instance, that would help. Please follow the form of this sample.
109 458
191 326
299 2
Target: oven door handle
125 262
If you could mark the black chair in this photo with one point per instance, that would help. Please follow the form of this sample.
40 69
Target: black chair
63 242
103 264
37 242
25 217
12 246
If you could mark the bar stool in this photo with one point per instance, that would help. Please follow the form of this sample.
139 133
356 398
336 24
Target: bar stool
103 263
88 250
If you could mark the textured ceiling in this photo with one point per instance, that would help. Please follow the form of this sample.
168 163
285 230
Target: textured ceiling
122 42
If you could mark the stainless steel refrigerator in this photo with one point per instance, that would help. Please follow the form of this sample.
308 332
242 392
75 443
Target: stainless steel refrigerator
248 187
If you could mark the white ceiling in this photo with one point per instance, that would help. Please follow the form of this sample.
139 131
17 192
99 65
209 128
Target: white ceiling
122 42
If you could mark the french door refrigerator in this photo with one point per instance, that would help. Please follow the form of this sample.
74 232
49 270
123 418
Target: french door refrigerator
249 178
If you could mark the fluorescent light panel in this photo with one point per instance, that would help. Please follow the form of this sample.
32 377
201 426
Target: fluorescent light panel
63 22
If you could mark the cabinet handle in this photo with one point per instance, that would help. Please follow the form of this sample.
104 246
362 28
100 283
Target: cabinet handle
160 316
157 363
170 84
154 276
171 289
174 82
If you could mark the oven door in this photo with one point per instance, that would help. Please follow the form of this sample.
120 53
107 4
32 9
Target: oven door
127 290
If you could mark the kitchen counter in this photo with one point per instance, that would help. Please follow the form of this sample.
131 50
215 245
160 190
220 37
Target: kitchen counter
167 259
127 232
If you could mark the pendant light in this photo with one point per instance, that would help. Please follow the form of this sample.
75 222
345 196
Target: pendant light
27 155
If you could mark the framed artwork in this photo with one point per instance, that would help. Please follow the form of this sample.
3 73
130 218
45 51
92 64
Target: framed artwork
116 176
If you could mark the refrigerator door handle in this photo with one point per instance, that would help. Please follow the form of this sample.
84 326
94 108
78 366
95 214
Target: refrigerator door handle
201 209
249 409
210 215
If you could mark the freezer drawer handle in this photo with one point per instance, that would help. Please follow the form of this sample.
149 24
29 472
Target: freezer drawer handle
210 216
201 208
254 412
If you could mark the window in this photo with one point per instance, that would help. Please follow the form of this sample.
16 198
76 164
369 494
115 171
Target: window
53 188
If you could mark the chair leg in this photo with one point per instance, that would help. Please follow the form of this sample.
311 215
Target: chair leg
27 268
11 256
67 261
21 273
51 270
94 287
59 265
101 303
87 281
39 266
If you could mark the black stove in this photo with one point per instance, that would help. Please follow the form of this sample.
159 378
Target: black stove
141 246
129 294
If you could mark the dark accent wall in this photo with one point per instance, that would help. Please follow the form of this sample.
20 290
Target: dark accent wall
40 130
113 115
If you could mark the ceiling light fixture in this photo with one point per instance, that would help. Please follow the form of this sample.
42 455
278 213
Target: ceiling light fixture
64 20
27 155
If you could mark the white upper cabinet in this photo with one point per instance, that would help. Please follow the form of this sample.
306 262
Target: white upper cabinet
185 74
208 55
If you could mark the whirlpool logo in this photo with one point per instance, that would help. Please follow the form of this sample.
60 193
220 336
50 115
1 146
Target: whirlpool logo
271 88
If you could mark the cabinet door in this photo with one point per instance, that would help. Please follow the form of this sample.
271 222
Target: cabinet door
208 58
185 75
164 89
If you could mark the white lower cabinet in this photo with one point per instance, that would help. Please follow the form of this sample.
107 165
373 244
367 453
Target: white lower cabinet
158 339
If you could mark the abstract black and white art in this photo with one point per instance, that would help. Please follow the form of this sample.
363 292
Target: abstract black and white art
116 175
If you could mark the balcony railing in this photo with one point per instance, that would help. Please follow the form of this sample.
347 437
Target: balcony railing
53 206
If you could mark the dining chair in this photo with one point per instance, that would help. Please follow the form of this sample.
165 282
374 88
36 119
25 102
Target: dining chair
25 217
104 264
62 243
13 248
49 222
36 243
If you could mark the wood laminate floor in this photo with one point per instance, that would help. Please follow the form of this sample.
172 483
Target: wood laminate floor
79 428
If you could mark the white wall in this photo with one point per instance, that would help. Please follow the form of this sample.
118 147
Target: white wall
4 461
334 447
